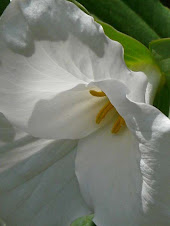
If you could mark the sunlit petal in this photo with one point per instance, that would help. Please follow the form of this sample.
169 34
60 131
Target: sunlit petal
107 167
148 164
49 48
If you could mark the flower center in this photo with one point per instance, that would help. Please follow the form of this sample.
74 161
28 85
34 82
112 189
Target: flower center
120 122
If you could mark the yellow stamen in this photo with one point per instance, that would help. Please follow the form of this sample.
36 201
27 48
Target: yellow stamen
105 109
118 124
103 112
97 93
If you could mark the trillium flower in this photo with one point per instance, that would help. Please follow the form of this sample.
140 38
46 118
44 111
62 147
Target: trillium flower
65 83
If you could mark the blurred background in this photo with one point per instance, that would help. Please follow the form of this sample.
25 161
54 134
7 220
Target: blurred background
166 2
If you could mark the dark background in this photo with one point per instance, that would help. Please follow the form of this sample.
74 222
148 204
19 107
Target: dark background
166 2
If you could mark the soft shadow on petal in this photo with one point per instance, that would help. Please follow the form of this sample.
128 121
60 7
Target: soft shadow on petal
7 132
49 47
115 89
38 184
108 171
69 115
151 129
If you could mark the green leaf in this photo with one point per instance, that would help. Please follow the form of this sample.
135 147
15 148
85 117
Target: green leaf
154 14
80 6
162 100
139 58
160 50
144 20
3 5
135 53
84 221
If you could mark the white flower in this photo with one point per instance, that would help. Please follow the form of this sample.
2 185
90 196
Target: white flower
53 61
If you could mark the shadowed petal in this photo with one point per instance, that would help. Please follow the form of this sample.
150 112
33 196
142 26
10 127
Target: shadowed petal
150 202
49 48
107 168
38 184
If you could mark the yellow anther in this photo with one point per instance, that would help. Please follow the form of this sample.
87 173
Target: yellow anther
97 93
103 112
118 124
105 109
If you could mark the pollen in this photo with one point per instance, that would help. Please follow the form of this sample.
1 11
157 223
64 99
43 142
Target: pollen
103 112
120 122
97 93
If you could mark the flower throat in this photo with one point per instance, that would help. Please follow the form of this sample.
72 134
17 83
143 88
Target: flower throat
120 122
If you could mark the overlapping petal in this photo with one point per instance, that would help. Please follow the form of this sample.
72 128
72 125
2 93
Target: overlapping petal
70 115
121 183
49 48
7 132
51 55
107 168
37 182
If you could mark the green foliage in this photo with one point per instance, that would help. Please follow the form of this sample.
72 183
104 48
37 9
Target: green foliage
162 99
3 5
154 14
135 53
84 221
161 51
137 57
144 20
80 6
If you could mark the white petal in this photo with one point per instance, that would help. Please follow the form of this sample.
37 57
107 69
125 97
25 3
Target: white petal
48 47
70 115
134 85
38 184
152 131
107 167
7 132
154 77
